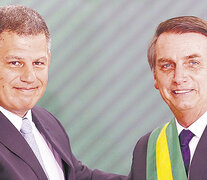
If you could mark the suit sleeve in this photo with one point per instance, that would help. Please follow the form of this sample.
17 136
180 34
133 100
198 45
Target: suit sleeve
138 168
82 172
77 170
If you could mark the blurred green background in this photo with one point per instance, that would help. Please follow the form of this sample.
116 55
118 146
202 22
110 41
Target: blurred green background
100 85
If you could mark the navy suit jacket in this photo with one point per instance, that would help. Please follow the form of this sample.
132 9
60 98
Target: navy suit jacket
18 162
198 168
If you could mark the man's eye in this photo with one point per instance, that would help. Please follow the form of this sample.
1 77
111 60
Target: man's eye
194 62
166 66
15 63
38 63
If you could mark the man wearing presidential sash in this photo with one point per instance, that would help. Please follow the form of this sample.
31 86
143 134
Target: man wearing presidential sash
177 56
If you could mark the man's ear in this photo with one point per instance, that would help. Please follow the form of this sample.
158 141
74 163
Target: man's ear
155 82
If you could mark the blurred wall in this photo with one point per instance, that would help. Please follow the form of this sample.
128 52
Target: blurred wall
100 86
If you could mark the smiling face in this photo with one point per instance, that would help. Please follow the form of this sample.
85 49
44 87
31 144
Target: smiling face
24 63
181 71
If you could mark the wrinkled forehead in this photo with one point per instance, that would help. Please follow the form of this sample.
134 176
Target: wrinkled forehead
7 37
172 45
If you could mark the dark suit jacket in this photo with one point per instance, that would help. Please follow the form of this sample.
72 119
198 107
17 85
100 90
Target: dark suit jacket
18 162
198 168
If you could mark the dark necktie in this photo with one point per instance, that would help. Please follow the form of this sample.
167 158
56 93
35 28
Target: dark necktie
185 137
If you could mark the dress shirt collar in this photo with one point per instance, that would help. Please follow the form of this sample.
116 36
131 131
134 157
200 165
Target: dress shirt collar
50 157
197 127
14 119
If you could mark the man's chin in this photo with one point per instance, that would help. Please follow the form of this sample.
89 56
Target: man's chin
23 108
183 107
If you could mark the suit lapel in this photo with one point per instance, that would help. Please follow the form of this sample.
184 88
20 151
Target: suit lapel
13 140
53 133
198 168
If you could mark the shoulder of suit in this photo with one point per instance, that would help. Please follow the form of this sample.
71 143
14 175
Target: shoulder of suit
142 143
42 111
39 109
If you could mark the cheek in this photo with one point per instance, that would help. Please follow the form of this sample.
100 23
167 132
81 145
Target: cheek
159 81
165 79
45 80
4 84
202 87
163 86
8 78
42 76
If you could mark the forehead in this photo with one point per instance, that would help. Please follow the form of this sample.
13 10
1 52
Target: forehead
10 38
178 45
32 44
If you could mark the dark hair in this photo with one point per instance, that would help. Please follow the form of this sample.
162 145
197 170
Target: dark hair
178 25
22 21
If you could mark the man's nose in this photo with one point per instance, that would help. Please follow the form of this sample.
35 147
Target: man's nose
180 75
28 74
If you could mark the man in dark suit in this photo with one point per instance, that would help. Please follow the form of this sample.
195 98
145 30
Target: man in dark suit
33 144
177 56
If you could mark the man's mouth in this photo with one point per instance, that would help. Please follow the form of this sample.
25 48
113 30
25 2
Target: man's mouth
25 88
182 91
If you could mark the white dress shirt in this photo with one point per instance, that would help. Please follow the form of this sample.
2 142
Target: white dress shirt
197 129
54 171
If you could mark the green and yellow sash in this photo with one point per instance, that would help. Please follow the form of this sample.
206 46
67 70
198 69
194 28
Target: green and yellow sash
164 158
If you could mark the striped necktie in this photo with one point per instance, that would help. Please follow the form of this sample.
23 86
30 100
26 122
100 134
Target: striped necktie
26 131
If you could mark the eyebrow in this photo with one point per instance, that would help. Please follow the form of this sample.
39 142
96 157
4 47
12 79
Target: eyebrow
160 60
19 58
192 56
12 57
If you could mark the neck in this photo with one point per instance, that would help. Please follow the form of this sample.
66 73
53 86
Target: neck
187 117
